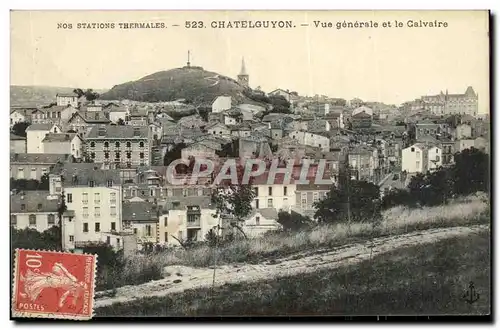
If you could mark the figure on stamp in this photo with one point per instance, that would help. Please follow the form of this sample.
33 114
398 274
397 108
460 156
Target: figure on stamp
34 283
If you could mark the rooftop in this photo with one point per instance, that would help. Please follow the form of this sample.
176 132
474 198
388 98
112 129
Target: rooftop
39 127
118 132
39 158
59 137
139 211
33 202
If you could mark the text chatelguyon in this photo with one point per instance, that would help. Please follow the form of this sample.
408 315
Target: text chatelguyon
237 171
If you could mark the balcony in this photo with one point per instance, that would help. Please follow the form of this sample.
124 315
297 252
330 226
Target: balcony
193 223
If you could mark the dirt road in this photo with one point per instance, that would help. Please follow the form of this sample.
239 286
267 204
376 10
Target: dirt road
182 278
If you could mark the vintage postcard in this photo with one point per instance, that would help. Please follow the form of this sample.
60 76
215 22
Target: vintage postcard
250 163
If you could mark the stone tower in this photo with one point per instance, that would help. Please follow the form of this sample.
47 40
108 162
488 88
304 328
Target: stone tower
243 76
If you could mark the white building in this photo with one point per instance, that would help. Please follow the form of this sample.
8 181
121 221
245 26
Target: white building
35 134
17 117
311 139
63 143
33 209
93 196
465 144
67 99
415 159
187 218
221 103
278 193
463 131
261 221
435 158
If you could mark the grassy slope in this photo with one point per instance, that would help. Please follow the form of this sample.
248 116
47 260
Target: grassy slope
427 279
36 95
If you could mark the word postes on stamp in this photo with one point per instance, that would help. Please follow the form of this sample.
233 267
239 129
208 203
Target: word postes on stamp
52 284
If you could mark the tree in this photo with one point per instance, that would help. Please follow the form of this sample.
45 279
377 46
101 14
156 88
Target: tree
174 154
233 199
395 197
293 221
471 172
79 92
60 212
19 129
353 201
120 122
90 95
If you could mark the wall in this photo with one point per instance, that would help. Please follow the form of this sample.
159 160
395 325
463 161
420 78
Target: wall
41 220
280 200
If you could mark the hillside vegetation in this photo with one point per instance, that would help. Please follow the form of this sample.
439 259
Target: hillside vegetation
193 84
33 96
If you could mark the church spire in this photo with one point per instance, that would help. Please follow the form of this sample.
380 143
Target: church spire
243 71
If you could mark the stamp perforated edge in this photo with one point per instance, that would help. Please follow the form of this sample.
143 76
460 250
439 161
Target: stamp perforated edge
51 315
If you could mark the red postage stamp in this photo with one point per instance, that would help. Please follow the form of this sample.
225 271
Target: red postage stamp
55 285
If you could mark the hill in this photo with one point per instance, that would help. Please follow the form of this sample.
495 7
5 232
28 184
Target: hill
191 83
33 96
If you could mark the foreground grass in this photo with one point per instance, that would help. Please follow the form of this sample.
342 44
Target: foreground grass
399 220
426 279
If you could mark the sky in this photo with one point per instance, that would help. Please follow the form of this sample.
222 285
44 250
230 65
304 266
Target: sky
386 64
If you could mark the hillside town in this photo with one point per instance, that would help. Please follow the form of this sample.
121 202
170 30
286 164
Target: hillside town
108 161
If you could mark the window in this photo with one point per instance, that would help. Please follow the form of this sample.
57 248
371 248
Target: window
117 241
129 154
270 202
106 154
412 149
148 230
85 198
256 203
13 220
165 222
97 211
33 173
97 227
112 211
23 207
166 237
51 219
39 207
141 144
44 171
315 197
92 144
257 221
97 198
85 212
71 238
117 155
113 226
92 155
20 173
270 191
112 198
117 144
418 163
285 191
108 240
69 198
32 219
106 144
85 227
437 158
256 191
135 231
110 183
91 183
129 144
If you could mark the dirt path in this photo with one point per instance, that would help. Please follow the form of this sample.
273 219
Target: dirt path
183 278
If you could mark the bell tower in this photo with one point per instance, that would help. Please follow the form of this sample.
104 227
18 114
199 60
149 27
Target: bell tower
243 76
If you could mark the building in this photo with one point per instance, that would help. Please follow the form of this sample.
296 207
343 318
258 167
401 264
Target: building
33 209
281 92
482 144
415 159
82 121
361 120
186 219
435 158
362 163
308 194
122 146
34 166
311 139
17 116
243 77
35 134
444 103
448 148
219 129
221 103
261 221
463 131
141 218
93 196
201 149
355 103
463 144
116 113
428 128
17 144
278 194
63 143
65 99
